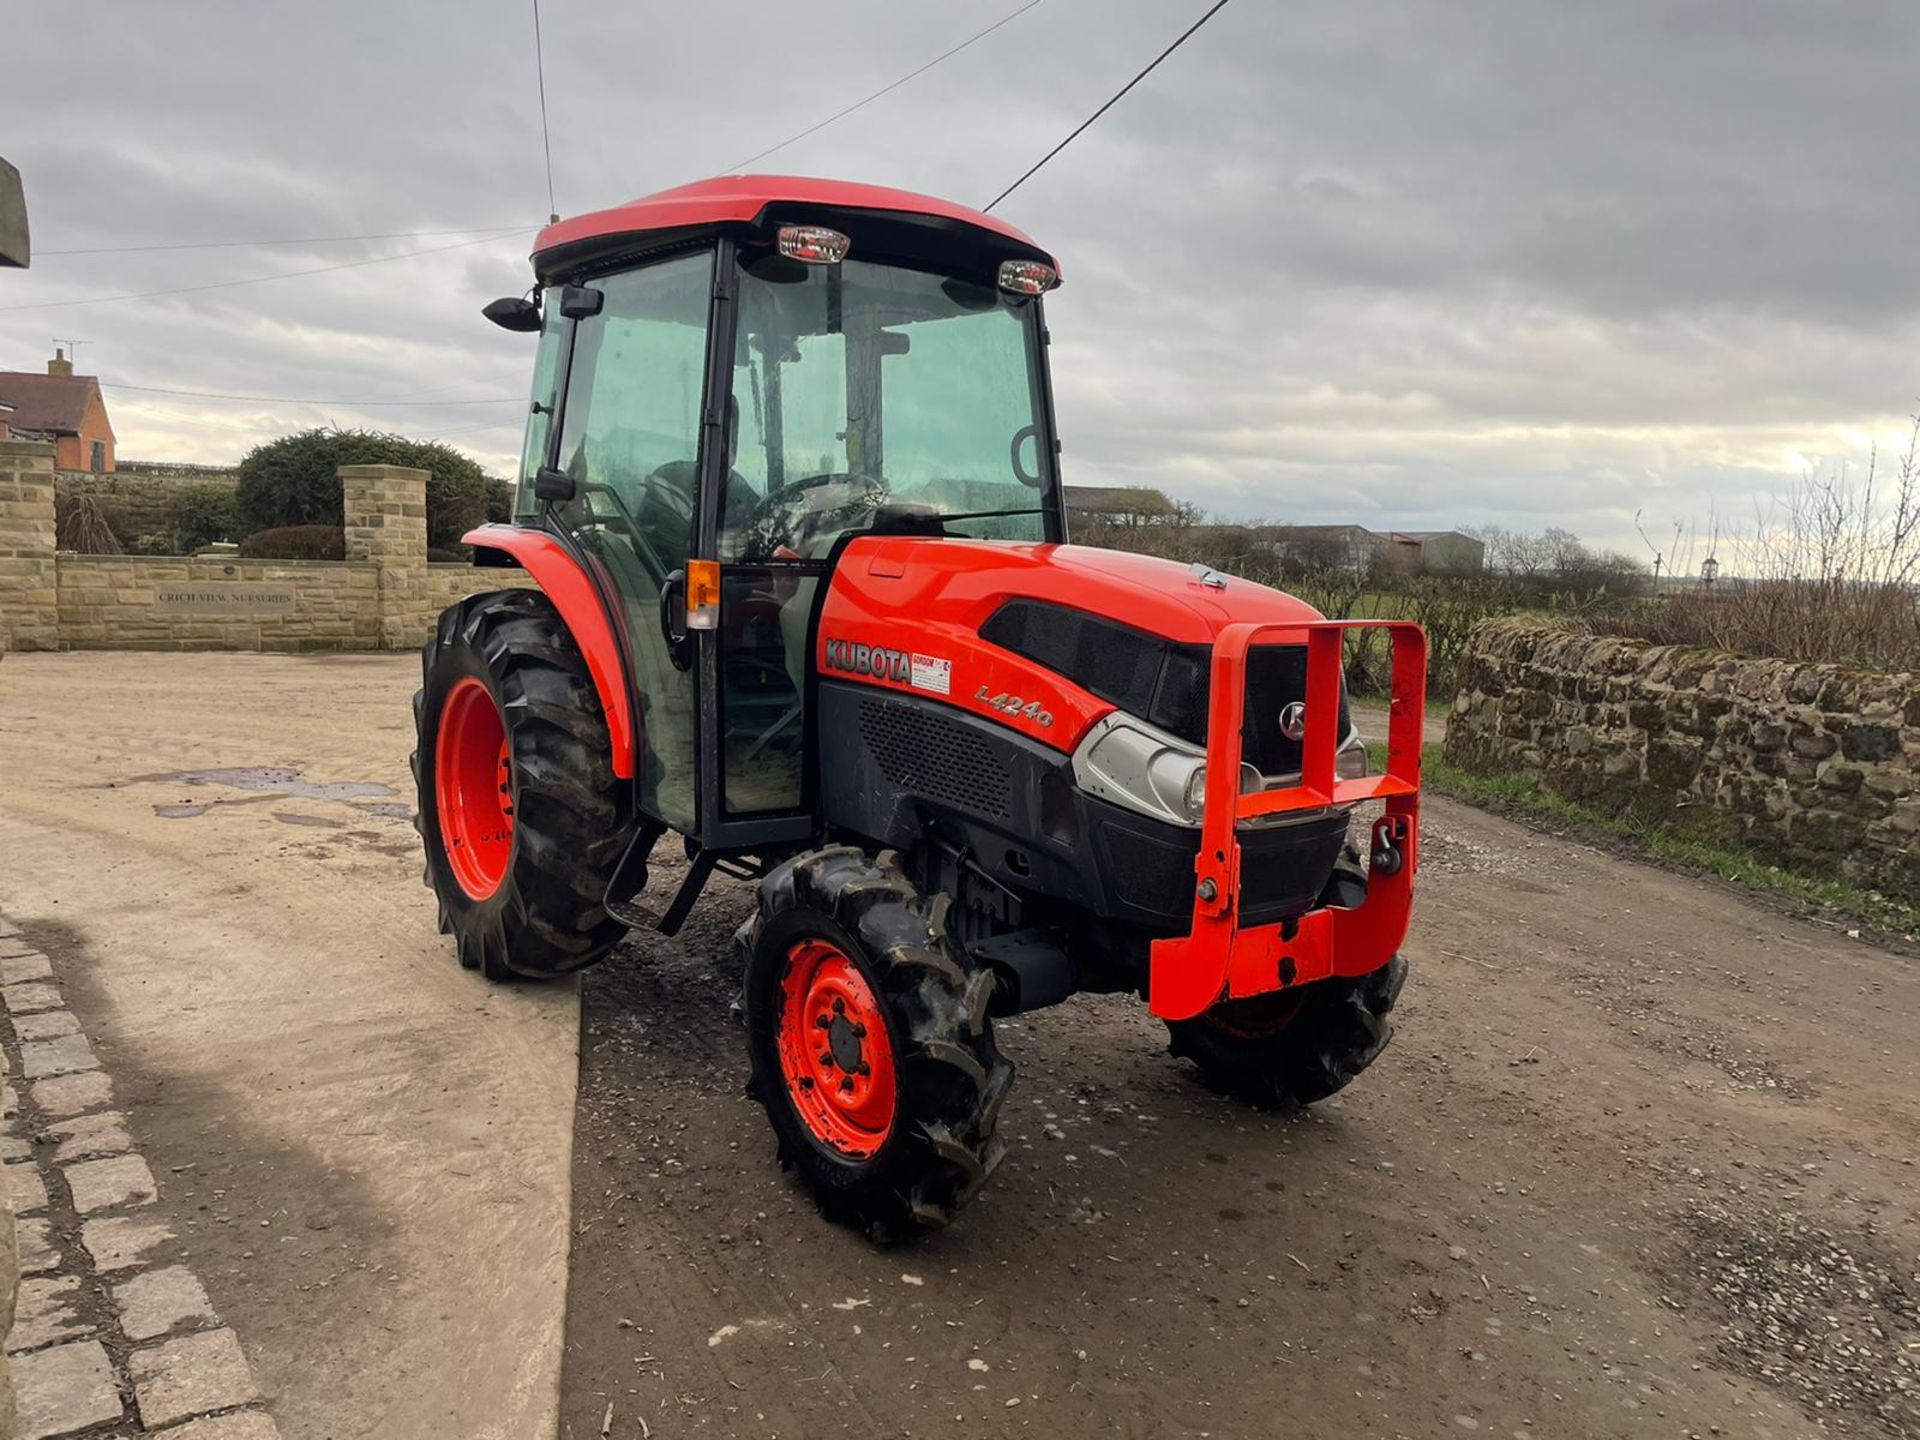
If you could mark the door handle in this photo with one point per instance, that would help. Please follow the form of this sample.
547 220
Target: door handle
673 597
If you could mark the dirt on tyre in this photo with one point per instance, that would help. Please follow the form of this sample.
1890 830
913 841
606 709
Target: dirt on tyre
870 1045
1292 1047
520 812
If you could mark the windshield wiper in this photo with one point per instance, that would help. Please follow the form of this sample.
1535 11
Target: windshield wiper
987 514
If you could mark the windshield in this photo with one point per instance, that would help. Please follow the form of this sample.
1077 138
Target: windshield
859 388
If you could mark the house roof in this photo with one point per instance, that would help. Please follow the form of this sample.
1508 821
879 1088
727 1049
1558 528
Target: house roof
1117 500
1320 532
47 404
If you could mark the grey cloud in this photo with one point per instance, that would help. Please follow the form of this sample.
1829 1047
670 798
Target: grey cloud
1392 261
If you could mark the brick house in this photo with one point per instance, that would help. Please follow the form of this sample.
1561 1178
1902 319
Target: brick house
64 408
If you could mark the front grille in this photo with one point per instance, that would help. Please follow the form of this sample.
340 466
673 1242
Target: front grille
927 754
1164 683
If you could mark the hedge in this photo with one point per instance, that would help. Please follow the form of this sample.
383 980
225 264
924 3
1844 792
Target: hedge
296 542
295 481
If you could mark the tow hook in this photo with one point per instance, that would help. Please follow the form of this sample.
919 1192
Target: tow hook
1387 856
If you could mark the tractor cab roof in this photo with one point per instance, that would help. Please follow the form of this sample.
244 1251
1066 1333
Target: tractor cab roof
884 223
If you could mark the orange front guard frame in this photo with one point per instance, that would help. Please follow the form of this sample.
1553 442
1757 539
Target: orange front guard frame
1220 960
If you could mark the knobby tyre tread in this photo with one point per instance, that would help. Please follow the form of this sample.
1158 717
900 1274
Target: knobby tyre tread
952 1080
1339 1028
572 816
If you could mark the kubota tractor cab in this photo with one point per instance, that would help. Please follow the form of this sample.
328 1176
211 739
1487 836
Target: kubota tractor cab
791 514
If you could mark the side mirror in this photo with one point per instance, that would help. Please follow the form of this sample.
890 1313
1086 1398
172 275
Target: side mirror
579 303
14 249
514 312
551 484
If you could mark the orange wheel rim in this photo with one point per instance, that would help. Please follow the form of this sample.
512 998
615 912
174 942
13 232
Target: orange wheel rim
835 1053
473 788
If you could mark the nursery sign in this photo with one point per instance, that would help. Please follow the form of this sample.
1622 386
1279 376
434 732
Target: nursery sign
215 597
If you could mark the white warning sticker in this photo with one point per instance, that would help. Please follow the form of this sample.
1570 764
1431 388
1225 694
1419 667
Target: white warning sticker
932 673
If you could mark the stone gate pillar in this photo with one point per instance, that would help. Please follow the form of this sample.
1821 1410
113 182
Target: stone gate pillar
29 583
385 512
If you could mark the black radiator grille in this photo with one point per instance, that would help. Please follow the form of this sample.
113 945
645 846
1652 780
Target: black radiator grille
925 753
1162 682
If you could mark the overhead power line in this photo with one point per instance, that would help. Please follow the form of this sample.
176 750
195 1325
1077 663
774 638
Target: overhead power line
502 232
300 400
740 165
1218 6
261 279
249 244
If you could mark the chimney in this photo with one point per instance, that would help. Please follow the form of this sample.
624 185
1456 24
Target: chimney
59 364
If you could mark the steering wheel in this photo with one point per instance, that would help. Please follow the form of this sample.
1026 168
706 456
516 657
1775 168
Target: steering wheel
775 522
788 491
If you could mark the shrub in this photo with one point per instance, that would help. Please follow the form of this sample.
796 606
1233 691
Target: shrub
1830 574
203 514
81 525
294 481
499 502
296 542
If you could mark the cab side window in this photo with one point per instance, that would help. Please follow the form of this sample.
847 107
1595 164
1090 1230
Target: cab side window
533 452
630 438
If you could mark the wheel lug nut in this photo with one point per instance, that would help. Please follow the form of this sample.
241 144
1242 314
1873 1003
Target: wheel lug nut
839 1007
859 1032
822 1023
826 1058
846 1085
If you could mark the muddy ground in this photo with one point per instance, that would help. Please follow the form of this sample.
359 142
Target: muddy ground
1641 1161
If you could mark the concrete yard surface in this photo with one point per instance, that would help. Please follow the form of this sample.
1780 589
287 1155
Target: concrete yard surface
362 1149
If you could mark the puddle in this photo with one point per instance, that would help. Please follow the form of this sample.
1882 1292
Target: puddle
278 780
269 782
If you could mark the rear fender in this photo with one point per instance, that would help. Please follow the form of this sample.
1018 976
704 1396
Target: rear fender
564 583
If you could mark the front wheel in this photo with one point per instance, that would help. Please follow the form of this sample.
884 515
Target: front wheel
1293 1047
871 1049
520 812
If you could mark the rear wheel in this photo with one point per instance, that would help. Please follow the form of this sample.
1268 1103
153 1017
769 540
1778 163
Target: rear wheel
1293 1047
871 1049
521 814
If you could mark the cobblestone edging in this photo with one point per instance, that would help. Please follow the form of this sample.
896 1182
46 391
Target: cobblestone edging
105 1342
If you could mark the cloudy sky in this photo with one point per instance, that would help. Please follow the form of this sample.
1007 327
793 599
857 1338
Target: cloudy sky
1408 264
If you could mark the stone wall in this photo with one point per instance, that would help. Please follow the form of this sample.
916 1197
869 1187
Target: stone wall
135 503
179 470
136 602
1817 764
29 605
383 596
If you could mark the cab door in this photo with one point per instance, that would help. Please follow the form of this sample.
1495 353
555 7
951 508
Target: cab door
630 442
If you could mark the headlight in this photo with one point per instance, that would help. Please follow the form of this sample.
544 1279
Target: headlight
1351 762
1142 767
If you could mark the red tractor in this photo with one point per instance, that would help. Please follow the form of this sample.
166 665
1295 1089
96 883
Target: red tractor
801 592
